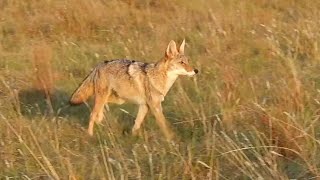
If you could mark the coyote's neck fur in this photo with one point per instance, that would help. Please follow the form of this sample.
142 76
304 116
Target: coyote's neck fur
161 78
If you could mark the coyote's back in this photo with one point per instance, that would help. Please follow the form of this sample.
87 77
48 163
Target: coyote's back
123 78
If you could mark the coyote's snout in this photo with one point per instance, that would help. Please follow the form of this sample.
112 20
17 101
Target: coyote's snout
144 84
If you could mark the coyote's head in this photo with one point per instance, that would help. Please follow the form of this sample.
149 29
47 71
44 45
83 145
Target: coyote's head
177 63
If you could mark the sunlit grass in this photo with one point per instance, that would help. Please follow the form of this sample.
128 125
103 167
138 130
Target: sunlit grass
251 113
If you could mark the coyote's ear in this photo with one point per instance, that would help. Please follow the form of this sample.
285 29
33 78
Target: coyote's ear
181 49
171 49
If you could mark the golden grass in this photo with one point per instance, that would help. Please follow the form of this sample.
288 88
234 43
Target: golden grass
252 112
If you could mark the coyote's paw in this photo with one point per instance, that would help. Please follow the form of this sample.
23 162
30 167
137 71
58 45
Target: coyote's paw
136 132
90 132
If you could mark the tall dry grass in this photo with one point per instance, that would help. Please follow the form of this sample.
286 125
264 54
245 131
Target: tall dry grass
252 112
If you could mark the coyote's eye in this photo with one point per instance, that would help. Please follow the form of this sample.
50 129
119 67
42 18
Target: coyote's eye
181 62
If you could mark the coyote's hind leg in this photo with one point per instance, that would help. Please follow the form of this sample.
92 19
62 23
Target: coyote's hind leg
96 116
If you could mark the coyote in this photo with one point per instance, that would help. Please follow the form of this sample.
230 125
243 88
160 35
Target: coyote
144 84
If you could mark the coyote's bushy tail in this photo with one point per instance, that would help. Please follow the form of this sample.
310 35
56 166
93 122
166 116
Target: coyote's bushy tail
84 91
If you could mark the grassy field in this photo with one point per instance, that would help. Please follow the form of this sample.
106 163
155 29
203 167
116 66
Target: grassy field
251 113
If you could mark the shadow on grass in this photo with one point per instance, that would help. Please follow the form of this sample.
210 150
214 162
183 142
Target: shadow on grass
34 103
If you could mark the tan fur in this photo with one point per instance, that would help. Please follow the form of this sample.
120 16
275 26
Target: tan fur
146 85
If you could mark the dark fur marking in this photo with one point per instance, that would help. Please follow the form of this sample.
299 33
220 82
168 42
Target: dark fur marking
143 67
114 93
127 71
109 61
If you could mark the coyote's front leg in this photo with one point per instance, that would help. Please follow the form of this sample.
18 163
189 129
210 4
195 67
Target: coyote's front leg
142 112
156 109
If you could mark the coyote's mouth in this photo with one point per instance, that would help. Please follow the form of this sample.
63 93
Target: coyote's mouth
192 73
